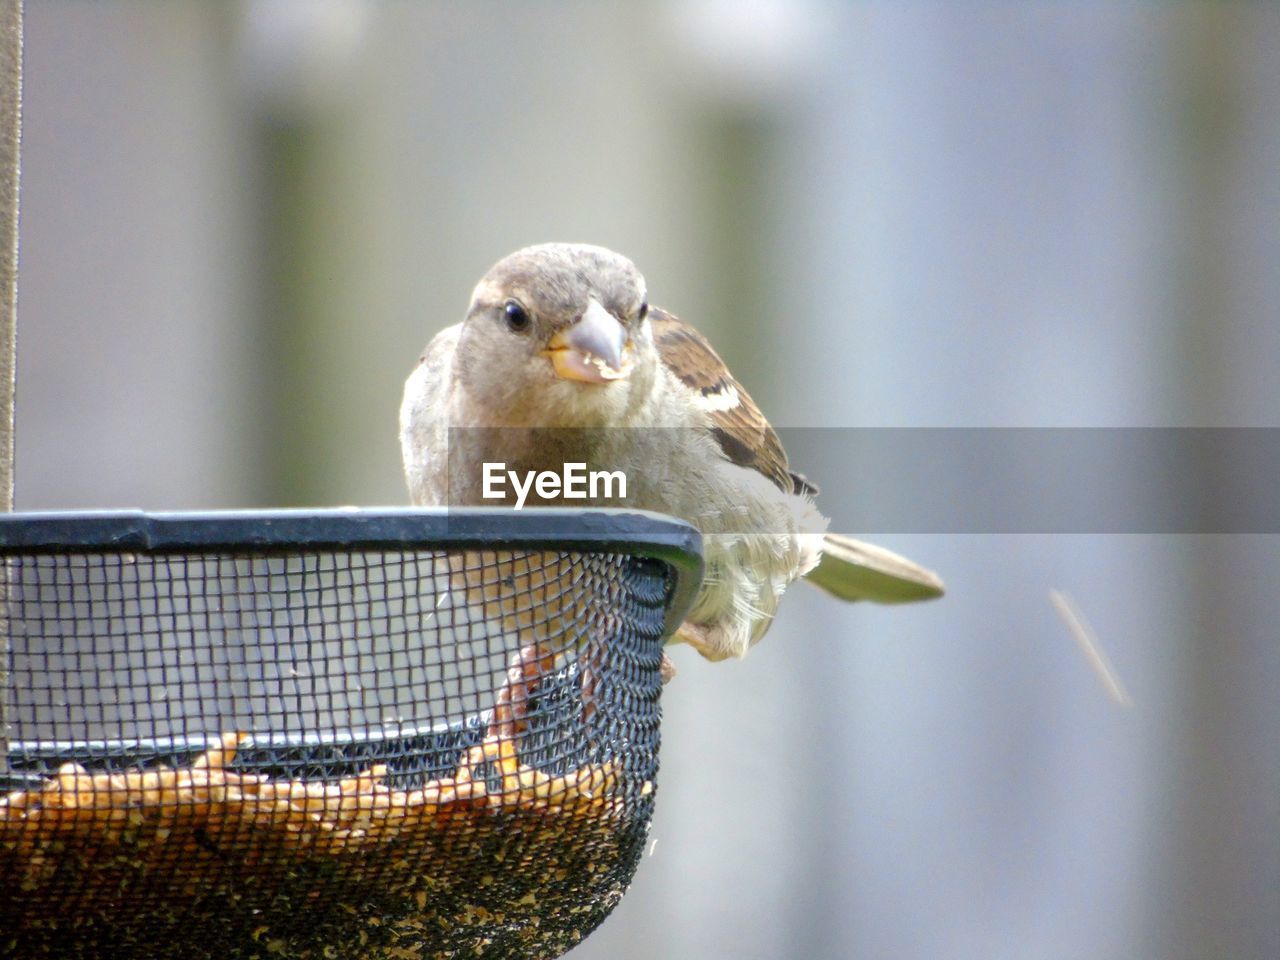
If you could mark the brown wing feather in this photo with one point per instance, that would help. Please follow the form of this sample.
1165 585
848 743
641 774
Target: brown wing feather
743 433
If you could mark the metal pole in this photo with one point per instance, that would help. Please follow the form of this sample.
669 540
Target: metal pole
10 141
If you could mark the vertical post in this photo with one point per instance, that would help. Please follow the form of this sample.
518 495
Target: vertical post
1224 791
10 139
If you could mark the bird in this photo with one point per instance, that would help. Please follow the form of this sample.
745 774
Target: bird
561 358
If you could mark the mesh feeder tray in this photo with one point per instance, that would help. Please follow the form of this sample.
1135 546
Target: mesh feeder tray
350 733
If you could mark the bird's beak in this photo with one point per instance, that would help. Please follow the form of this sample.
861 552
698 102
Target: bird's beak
595 349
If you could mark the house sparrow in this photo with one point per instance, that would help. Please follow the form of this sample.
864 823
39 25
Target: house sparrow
561 358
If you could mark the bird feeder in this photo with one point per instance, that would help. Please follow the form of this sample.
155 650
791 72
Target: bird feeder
344 733
323 734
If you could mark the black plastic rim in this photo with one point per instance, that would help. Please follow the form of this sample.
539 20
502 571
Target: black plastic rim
599 530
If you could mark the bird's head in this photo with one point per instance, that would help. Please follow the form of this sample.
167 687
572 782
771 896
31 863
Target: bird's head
557 334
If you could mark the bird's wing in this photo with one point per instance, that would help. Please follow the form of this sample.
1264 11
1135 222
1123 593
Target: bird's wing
740 429
424 416
849 569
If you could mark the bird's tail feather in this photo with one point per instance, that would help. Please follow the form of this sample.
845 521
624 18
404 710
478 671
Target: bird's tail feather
853 570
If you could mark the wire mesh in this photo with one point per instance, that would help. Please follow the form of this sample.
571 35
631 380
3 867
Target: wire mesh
314 751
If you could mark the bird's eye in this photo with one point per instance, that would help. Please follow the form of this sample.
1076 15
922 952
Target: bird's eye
517 316
643 311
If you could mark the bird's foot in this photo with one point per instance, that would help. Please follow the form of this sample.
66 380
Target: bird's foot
699 637
511 706
667 668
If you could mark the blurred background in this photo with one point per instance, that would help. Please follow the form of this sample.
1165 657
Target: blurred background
241 221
